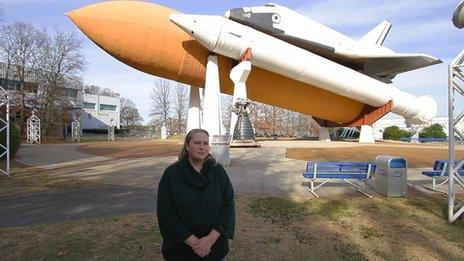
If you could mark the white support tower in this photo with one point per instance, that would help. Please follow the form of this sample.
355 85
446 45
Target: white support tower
323 131
212 118
76 130
111 131
239 74
194 110
33 129
324 134
5 128
366 135
416 129
456 137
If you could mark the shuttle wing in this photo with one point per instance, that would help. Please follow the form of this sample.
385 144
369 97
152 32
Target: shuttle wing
391 65
376 65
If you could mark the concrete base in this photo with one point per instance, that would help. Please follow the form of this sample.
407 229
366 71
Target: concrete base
324 134
367 134
245 144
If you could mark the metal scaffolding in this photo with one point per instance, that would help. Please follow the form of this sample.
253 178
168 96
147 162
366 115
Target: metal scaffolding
5 148
455 90
76 130
111 131
33 129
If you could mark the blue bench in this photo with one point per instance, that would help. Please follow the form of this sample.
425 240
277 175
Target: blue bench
440 171
346 171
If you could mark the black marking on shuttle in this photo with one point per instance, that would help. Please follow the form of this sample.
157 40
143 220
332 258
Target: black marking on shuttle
264 22
259 21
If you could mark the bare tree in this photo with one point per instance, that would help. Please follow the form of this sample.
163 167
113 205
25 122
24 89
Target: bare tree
287 122
129 113
21 43
8 48
161 103
259 117
180 107
273 121
97 90
226 108
92 89
61 64
109 92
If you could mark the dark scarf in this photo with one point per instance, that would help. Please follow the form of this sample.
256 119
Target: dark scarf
192 177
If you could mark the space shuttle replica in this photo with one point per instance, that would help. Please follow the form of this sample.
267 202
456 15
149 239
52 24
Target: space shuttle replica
269 54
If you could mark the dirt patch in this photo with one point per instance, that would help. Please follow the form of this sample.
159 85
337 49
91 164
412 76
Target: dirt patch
417 157
132 149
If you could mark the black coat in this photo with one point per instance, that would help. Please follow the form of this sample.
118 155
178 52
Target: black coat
191 202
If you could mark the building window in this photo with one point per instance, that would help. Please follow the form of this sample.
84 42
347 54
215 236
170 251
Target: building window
72 93
88 105
107 107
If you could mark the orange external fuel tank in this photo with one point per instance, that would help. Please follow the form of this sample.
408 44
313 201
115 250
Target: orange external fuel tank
140 35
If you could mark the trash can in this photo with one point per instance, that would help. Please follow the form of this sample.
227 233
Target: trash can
220 149
391 176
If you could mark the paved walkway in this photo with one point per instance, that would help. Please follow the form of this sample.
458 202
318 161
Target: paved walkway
129 185
73 204
54 156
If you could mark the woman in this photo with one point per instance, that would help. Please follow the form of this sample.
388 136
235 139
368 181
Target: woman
195 206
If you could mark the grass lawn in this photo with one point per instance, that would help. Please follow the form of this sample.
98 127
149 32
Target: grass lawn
23 180
267 228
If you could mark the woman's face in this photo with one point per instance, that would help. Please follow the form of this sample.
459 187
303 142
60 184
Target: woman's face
198 147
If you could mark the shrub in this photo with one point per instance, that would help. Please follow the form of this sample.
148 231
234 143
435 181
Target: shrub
433 131
15 140
395 133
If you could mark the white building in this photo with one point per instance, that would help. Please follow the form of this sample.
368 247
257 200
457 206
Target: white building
98 111
381 124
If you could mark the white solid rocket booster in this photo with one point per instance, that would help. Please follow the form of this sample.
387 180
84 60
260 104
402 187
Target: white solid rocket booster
231 39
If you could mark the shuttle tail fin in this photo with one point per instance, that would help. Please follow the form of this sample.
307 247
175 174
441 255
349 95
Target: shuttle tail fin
378 34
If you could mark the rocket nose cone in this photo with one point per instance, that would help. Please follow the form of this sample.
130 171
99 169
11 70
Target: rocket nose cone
141 35
184 22
227 14
203 28
72 15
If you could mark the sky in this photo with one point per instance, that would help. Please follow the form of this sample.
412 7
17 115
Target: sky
419 26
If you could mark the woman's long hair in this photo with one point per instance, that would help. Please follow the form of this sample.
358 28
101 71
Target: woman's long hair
184 153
